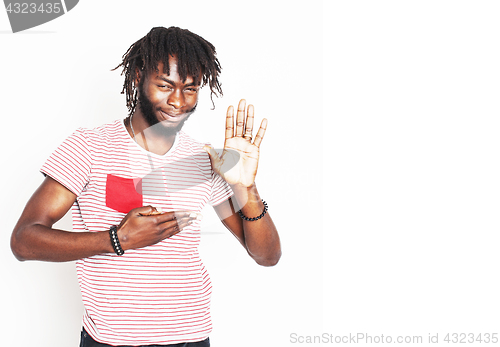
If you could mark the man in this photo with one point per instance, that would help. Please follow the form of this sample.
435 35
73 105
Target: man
136 187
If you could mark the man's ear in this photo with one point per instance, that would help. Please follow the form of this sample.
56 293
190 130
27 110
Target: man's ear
138 76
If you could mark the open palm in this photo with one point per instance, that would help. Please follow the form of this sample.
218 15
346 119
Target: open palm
239 160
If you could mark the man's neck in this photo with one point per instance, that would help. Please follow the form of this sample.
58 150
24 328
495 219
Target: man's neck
155 139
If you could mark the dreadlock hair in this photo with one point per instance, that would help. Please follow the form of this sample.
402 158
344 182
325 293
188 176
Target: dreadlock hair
195 55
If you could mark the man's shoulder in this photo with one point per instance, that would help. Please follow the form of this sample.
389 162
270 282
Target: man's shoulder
188 141
111 127
102 131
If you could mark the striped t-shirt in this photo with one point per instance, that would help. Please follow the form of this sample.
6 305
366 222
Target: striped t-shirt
159 294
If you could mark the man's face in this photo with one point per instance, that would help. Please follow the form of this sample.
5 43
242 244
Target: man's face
165 99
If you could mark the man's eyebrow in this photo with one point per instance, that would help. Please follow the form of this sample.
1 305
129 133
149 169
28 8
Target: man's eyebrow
173 83
165 79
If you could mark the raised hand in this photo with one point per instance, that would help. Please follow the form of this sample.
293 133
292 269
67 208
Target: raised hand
239 160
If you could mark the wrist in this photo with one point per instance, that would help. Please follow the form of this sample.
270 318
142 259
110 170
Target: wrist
244 195
243 189
252 219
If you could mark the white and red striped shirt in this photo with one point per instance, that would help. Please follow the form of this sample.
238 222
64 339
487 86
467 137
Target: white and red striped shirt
159 294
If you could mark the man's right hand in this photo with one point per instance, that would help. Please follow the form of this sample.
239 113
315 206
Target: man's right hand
34 237
144 226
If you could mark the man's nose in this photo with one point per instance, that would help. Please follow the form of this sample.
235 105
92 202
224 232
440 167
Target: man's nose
176 99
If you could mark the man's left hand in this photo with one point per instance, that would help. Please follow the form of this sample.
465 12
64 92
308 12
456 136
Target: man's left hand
239 160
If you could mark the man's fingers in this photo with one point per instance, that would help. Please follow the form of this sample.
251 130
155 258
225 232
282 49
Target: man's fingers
164 217
243 127
229 122
249 123
172 227
260 133
152 211
177 228
240 118
214 156
178 215
145 210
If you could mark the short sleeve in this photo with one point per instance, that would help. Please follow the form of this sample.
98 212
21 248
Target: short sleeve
70 164
221 191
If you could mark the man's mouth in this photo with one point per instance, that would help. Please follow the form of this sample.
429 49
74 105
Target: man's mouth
171 116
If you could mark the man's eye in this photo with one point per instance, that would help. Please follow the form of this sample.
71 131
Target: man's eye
192 90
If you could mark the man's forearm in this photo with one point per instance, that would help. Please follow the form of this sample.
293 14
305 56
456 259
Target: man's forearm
261 237
39 242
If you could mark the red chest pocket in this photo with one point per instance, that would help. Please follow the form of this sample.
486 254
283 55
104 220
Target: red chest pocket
123 194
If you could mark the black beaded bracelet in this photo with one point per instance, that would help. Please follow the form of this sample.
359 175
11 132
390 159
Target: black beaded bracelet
114 241
254 218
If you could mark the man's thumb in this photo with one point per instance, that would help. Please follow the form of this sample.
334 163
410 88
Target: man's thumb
214 157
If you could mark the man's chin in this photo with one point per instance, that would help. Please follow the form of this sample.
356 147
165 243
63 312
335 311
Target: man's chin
168 126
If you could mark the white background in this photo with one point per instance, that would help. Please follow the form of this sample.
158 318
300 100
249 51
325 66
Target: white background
412 119
380 164
56 78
